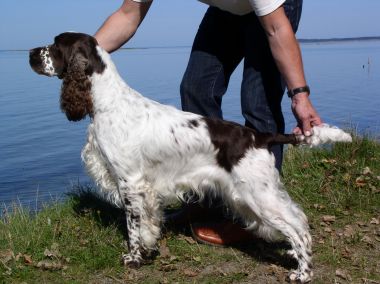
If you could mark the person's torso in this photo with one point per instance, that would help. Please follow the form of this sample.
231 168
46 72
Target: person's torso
237 7
241 7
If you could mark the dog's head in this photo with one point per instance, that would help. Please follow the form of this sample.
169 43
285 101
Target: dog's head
72 57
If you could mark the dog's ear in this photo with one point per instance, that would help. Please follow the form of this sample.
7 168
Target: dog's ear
75 99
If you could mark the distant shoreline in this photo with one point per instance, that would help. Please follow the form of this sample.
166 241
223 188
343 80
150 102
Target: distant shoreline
345 39
300 40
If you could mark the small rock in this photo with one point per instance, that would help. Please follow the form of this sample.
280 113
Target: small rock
197 258
50 265
27 259
348 231
189 240
164 250
366 171
328 218
168 267
6 256
328 230
190 273
366 239
343 274
360 181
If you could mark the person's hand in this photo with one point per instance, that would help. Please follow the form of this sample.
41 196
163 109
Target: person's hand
305 113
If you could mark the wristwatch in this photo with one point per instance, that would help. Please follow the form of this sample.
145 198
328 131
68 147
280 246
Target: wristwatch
293 92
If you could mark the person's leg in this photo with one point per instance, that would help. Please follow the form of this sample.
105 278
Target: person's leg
262 85
216 51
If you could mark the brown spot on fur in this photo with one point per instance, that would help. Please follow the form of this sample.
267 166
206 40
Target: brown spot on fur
76 100
193 123
233 140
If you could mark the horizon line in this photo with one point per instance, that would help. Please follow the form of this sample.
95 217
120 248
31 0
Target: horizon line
300 40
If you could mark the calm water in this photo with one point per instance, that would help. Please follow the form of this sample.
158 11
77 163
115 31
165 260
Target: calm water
40 149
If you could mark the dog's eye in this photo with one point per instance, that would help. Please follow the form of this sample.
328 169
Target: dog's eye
54 47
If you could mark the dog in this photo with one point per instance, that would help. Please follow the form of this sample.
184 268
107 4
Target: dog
144 155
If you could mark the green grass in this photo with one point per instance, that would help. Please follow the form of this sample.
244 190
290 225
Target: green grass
343 182
81 239
83 244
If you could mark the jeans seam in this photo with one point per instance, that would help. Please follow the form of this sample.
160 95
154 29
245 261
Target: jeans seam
214 83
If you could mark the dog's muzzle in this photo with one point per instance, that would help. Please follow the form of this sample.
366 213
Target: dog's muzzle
35 60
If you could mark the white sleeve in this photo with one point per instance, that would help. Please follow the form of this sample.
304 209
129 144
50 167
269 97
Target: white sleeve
265 7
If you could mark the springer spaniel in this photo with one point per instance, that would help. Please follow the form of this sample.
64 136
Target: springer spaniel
144 155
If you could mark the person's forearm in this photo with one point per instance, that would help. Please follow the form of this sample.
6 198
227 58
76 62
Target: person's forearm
287 55
111 36
121 25
285 50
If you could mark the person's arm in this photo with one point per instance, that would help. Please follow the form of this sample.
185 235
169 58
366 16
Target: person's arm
122 24
287 55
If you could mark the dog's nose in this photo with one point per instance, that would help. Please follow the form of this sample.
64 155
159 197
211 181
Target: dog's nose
34 57
34 51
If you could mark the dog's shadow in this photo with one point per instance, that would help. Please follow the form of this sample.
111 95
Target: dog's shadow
271 253
87 201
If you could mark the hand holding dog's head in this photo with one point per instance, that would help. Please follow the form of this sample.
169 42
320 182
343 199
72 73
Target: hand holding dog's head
73 58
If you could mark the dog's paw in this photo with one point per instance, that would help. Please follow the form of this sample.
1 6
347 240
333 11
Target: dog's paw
132 261
300 276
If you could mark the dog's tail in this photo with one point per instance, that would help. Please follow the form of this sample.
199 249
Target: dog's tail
275 139
322 134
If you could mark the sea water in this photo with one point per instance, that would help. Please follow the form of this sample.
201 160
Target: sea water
40 149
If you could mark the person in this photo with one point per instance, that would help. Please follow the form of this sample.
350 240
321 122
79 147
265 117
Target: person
262 32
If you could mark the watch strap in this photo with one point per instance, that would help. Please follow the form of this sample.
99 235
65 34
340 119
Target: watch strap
293 92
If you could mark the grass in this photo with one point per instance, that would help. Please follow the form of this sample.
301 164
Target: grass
81 239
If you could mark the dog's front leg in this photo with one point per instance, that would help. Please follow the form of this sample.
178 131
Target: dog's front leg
133 207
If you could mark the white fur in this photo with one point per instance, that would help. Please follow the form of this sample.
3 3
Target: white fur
325 133
131 149
47 62
144 155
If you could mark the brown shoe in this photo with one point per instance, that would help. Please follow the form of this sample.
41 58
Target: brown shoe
220 234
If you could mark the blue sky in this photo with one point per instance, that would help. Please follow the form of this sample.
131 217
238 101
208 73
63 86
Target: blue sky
26 23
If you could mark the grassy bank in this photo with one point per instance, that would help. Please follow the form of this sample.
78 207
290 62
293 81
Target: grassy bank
81 240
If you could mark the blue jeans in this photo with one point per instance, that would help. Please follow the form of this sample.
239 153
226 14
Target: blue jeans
223 40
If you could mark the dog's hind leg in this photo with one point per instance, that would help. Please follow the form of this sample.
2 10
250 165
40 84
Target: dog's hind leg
259 199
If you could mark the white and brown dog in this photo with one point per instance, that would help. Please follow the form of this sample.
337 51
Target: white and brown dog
144 155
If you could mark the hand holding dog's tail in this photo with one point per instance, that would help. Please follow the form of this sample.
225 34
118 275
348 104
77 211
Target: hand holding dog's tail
321 134
324 134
